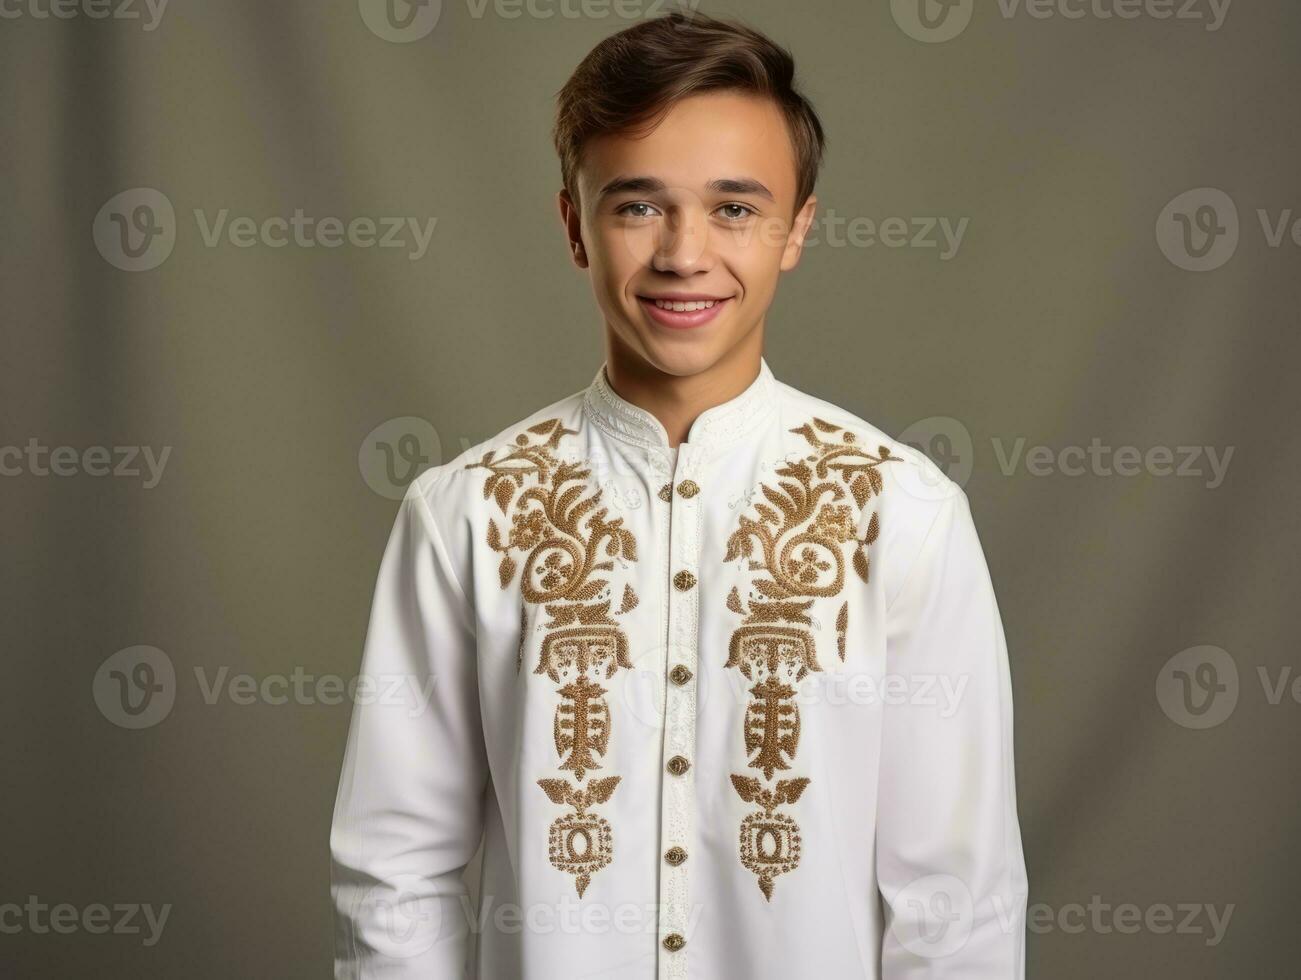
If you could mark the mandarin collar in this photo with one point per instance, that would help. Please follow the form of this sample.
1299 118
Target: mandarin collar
715 427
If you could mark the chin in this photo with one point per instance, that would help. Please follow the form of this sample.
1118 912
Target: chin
685 357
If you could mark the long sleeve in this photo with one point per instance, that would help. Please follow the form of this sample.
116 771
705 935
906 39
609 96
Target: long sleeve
409 812
949 862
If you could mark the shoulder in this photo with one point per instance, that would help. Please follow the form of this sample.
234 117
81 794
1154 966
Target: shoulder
909 468
453 492
913 493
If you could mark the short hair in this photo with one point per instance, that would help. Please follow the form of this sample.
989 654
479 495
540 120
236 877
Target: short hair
630 80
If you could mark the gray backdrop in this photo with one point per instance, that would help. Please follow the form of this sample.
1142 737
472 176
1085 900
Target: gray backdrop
1126 275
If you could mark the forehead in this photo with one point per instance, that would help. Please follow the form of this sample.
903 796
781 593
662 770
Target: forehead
701 138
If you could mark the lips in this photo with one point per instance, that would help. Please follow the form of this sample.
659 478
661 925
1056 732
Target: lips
682 311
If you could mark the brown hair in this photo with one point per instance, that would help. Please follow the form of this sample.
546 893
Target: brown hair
632 78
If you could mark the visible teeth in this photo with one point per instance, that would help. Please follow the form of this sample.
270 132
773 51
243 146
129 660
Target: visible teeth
691 307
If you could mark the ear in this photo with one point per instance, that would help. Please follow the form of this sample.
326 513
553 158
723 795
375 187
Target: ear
799 229
573 222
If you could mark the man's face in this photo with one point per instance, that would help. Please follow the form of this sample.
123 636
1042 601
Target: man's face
686 229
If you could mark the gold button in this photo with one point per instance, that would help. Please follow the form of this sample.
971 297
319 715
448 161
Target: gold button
680 674
688 488
674 941
675 855
666 492
678 765
683 580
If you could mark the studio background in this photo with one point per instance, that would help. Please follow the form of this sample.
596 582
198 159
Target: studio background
1102 294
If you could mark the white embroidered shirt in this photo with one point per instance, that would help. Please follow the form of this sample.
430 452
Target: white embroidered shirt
735 709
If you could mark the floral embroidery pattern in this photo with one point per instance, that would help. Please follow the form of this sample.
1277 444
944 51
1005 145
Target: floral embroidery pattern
566 541
798 540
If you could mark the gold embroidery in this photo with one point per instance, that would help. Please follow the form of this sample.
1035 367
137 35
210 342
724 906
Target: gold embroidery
566 540
580 843
799 542
666 492
770 842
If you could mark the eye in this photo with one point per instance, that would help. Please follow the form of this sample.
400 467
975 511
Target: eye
736 212
637 209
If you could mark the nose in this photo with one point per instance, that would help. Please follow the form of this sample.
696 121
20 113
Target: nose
682 247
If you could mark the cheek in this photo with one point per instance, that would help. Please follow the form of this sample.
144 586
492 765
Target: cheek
754 257
622 251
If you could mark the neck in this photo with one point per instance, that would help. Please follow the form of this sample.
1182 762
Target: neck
677 399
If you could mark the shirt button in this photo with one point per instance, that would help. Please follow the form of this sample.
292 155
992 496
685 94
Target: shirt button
688 488
674 941
675 855
678 765
680 674
666 492
683 580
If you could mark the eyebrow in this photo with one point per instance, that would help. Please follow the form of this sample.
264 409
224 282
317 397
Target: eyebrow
721 185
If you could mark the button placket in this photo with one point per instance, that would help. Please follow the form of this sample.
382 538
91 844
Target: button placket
678 798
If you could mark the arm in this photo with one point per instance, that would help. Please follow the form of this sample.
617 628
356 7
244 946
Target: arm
949 863
409 811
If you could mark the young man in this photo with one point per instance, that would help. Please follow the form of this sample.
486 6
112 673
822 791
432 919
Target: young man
712 666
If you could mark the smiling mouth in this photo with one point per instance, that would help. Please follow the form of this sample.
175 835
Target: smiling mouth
682 313
685 306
